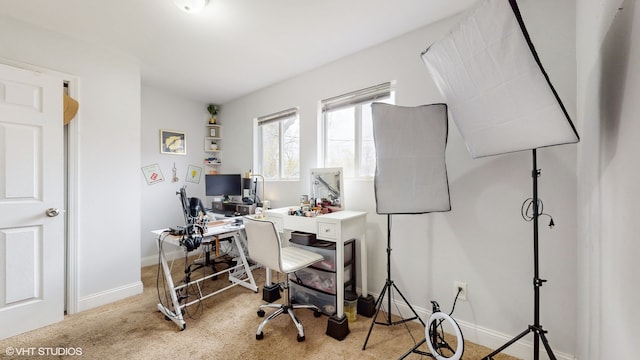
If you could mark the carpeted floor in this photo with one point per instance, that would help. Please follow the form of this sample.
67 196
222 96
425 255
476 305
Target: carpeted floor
220 327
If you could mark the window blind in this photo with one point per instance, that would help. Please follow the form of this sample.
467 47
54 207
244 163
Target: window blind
369 94
278 116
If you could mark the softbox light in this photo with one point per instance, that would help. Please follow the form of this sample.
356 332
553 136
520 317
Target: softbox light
410 142
491 77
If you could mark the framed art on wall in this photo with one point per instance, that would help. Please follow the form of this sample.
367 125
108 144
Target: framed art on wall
193 174
173 142
152 174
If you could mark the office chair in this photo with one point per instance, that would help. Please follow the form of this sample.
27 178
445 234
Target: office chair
265 247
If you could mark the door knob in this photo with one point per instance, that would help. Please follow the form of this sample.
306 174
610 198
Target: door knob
53 212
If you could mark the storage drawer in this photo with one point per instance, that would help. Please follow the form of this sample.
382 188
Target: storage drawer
328 251
320 279
303 295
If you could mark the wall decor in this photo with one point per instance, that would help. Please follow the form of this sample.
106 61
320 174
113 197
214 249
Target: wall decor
173 142
152 174
193 174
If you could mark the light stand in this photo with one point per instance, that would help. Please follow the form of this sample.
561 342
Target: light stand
389 286
536 328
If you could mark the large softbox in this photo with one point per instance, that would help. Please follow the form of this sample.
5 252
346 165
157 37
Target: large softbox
410 142
502 101
498 93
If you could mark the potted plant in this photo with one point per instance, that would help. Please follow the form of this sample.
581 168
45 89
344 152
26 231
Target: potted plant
213 111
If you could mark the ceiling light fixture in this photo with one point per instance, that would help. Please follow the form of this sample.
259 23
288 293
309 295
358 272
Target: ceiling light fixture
191 6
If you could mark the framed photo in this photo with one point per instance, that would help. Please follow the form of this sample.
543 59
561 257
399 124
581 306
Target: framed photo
213 132
193 174
173 142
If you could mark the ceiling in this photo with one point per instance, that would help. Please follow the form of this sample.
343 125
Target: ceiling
234 47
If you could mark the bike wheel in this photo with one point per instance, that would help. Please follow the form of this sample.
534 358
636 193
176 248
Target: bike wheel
444 337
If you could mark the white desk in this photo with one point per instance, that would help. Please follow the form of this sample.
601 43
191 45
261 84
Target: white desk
238 275
337 227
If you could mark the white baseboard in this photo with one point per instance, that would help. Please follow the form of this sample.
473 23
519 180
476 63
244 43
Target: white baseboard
521 349
109 296
153 259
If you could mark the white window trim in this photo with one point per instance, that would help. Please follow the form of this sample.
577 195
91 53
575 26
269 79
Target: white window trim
277 116
383 90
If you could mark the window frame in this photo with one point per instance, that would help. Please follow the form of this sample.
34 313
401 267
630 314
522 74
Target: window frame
278 117
355 100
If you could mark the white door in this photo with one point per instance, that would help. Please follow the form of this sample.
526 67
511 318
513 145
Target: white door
31 194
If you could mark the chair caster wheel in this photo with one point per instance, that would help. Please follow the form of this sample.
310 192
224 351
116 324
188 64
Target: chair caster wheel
317 313
260 313
259 336
300 338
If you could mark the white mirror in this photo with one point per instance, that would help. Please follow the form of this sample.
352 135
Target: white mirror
326 185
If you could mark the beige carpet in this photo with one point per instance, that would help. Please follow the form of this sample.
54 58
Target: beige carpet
223 327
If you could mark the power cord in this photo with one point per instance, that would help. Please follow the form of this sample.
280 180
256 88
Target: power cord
453 307
528 214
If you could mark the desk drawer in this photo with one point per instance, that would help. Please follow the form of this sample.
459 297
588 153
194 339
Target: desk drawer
319 279
327 230
303 295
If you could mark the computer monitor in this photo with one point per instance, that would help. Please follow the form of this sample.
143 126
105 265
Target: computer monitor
223 185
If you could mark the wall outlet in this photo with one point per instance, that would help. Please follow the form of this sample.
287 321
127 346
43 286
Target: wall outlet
457 285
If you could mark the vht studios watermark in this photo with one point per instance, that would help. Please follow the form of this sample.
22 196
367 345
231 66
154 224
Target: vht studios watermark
43 351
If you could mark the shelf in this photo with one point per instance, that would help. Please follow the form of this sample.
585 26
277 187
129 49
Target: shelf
214 131
212 136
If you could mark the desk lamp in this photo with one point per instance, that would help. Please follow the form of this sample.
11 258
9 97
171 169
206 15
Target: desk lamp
246 183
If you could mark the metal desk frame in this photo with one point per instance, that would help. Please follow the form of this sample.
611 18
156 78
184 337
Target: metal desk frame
238 275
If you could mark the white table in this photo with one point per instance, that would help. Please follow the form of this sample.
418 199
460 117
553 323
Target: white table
337 227
238 275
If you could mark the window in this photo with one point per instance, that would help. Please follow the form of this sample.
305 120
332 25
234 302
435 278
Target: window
278 145
347 131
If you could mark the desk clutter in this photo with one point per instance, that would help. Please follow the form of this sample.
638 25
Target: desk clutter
314 207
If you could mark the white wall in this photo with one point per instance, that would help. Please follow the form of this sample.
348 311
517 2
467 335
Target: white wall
483 241
160 205
108 160
608 102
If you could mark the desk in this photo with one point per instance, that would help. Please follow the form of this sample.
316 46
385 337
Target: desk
337 227
238 275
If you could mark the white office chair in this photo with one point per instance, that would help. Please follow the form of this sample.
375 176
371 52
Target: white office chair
265 247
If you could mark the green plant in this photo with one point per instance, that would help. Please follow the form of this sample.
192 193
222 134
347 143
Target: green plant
213 109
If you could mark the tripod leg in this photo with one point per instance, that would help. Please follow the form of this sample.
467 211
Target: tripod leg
409 305
375 316
499 350
415 350
547 346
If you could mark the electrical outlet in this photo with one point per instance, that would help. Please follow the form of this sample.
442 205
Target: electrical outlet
457 285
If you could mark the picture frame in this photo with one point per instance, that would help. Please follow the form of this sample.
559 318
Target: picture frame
193 174
173 142
213 132
152 174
